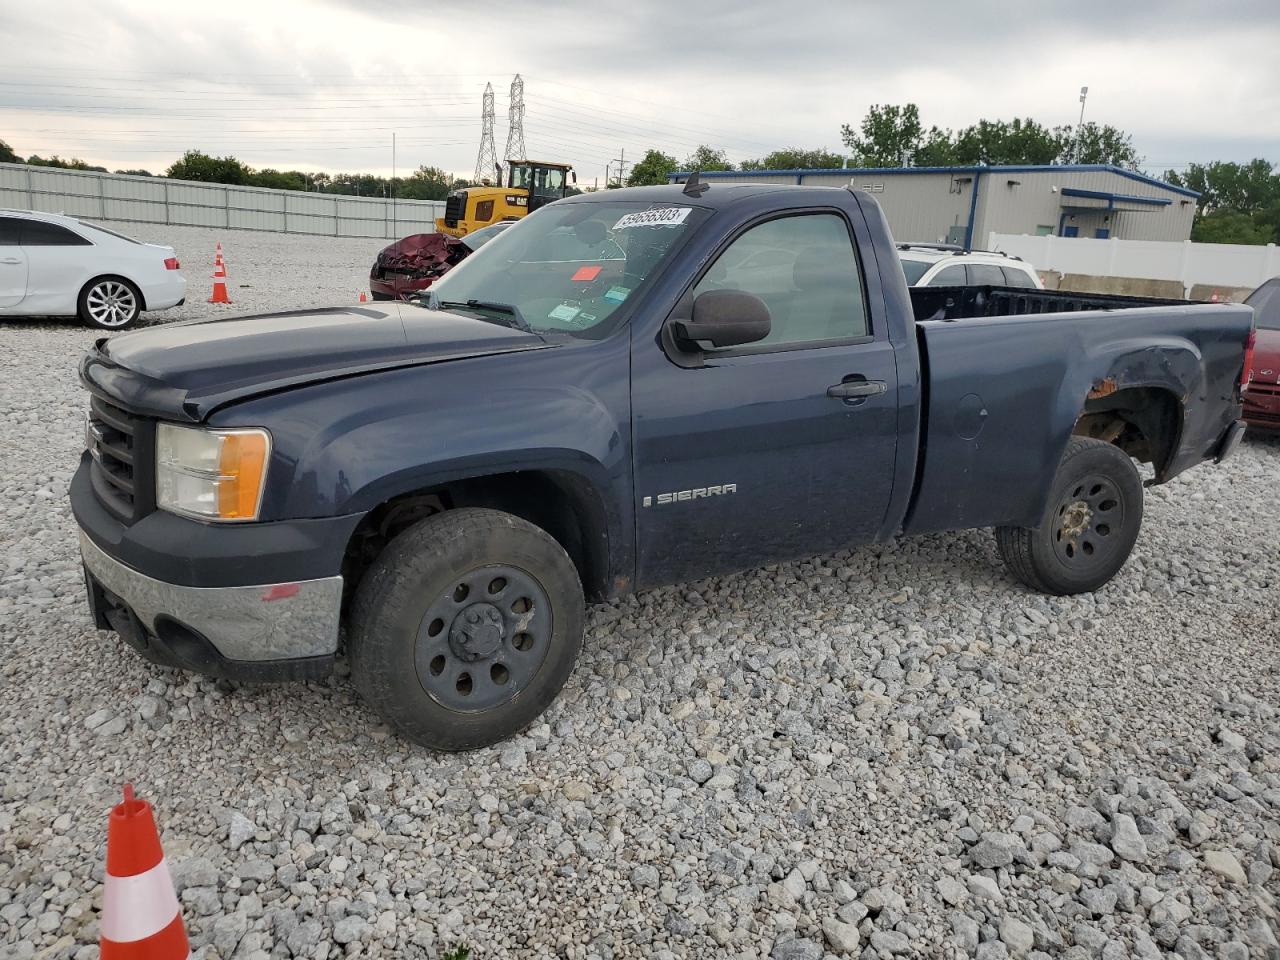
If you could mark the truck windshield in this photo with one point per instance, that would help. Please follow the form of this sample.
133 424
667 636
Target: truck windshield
569 267
1266 305
915 269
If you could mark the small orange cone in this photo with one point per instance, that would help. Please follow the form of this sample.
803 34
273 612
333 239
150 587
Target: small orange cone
1214 298
363 298
141 919
219 278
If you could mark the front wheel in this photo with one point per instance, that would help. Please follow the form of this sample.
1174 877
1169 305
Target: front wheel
465 628
1089 527
109 303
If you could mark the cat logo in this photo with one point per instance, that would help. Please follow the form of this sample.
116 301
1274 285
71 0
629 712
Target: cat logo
697 493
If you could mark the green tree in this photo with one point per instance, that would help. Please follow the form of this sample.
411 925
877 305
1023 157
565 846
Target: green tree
1228 226
195 165
1094 143
1241 187
135 173
279 180
891 135
425 183
57 161
7 155
706 159
796 158
653 168
1015 141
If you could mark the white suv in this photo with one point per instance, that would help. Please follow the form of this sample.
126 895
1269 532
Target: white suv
946 265
56 266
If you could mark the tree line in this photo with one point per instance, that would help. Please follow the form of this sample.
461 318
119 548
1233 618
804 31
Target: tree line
425 183
1239 202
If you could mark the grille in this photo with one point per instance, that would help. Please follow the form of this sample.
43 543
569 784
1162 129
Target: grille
455 208
117 441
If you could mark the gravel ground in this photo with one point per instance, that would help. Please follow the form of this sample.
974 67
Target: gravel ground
894 751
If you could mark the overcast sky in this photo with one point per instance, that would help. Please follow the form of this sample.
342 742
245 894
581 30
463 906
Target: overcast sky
322 85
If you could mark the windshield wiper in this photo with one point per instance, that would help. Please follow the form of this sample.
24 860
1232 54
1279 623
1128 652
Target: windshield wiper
506 309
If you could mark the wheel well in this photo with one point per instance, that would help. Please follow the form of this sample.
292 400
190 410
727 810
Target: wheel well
1144 422
142 297
561 503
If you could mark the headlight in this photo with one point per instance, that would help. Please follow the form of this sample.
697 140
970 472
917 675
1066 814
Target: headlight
211 474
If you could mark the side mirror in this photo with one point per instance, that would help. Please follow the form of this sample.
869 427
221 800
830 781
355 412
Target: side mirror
574 174
725 318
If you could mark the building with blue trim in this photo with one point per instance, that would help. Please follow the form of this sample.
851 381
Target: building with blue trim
965 205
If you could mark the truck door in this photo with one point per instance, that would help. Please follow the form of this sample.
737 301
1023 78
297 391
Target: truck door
781 448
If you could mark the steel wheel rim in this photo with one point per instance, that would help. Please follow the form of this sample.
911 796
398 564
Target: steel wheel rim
111 304
1088 522
481 643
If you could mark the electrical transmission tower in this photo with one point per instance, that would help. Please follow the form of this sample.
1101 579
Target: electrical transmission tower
487 159
515 122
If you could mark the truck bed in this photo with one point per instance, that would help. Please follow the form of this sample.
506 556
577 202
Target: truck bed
1027 358
964 303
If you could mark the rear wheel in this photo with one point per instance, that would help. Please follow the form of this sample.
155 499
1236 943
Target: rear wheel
1089 527
465 628
109 303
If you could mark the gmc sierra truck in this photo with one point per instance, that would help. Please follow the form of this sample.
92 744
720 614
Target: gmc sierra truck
626 389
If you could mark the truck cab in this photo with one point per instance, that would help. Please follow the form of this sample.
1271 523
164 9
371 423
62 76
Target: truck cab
529 185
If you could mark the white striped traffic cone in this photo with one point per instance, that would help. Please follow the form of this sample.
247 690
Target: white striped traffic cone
140 915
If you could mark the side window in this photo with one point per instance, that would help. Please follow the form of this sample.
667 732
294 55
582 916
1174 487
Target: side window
985 275
38 233
805 269
9 231
484 210
952 276
1014 277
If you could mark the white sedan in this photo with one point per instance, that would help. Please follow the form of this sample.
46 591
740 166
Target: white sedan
56 266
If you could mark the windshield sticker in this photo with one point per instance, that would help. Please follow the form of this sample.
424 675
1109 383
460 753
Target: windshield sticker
617 294
564 312
665 217
586 273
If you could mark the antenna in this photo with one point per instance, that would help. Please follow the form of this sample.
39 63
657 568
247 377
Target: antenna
695 186
487 159
515 123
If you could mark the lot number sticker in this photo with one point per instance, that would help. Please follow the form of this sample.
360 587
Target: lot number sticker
666 217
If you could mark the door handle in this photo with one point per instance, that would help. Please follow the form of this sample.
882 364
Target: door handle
10 260
856 389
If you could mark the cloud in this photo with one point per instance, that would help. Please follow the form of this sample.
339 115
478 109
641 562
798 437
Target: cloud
322 85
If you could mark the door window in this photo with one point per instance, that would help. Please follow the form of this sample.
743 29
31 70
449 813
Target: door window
985 275
9 231
952 276
806 271
38 233
1014 277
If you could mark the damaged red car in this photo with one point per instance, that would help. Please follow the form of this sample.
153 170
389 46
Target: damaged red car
1262 397
414 263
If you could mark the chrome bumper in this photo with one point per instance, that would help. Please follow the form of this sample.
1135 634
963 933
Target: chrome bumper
269 621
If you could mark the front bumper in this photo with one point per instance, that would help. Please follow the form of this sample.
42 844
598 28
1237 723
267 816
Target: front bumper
259 632
256 601
1262 405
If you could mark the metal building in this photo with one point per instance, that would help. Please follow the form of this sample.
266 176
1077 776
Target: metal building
965 205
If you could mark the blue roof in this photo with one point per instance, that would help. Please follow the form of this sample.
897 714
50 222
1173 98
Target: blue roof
1114 198
862 171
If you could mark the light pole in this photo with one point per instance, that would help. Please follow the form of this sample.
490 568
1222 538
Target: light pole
1084 94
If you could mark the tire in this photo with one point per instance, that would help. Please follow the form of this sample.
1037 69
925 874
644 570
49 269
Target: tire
1089 527
109 303
376 296
447 660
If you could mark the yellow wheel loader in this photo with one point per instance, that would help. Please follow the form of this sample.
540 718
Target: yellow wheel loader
530 184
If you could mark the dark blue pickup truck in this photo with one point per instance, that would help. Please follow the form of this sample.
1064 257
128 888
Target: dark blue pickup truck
626 389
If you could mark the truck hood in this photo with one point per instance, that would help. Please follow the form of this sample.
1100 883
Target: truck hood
188 370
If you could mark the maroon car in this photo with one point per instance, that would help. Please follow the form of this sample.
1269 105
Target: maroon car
1262 397
414 263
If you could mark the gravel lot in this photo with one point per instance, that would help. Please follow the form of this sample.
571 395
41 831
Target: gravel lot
890 752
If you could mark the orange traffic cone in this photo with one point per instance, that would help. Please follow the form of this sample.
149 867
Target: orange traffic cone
219 278
140 915
1215 298
363 298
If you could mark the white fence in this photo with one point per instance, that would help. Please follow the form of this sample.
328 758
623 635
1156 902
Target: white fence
107 196
1221 264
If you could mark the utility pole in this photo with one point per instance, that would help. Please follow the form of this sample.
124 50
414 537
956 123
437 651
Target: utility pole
487 159
515 123
1084 94
621 161
393 183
